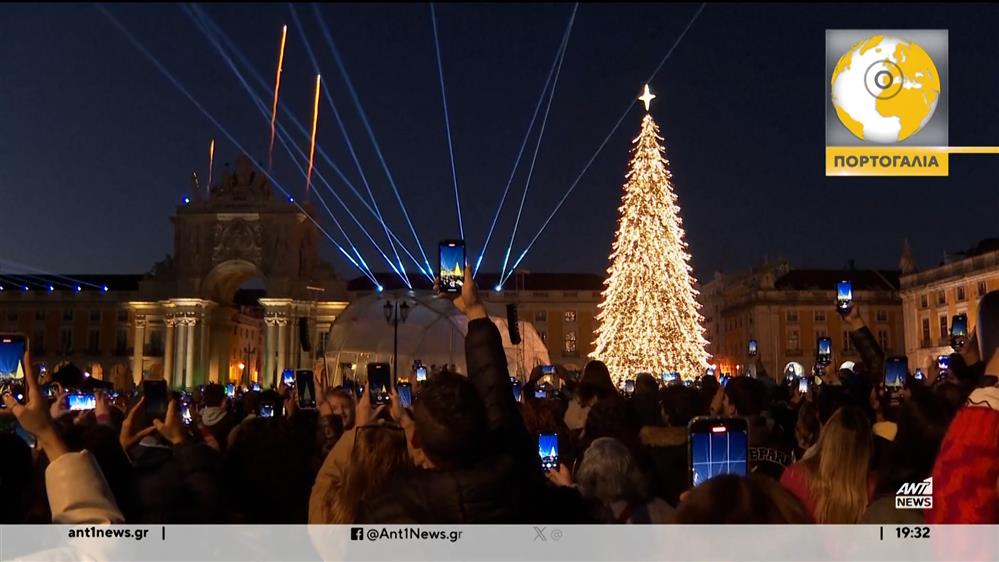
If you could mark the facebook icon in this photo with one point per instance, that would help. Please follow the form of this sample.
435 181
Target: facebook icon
357 533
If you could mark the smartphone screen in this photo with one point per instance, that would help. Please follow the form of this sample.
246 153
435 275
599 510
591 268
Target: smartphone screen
803 385
266 410
752 347
405 392
451 265
669 377
823 350
724 380
943 362
288 377
517 389
548 369
958 331
155 393
919 375
959 326
305 384
379 379
230 390
80 402
185 413
548 451
255 387
541 394
12 348
844 296
896 371
629 386
718 446
421 374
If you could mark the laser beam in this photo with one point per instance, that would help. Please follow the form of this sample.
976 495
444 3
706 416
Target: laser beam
177 84
350 146
447 120
218 33
277 90
520 153
603 144
537 147
312 143
211 167
371 133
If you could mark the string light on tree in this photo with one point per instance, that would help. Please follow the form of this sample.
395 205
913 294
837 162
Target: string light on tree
649 319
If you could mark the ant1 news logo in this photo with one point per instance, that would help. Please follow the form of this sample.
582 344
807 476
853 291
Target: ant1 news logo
915 495
886 102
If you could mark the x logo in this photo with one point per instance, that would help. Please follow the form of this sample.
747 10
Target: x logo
539 533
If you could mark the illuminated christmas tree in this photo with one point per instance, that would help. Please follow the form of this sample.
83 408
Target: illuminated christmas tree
649 319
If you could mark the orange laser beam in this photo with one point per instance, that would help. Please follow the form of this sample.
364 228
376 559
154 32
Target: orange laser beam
211 165
277 89
312 147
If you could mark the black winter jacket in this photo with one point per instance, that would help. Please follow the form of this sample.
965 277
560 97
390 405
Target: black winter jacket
507 486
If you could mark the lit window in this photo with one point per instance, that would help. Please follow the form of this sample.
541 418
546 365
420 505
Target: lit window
926 329
941 297
570 342
570 316
960 294
944 331
982 288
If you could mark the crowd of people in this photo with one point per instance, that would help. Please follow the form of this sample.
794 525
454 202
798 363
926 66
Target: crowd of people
466 450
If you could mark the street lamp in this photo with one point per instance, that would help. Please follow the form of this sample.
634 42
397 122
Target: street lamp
396 312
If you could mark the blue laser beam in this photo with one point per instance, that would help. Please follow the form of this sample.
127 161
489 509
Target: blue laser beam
520 153
217 31
284 138
346 138
47 273
177 84
537 147
447 120
371 133
604 143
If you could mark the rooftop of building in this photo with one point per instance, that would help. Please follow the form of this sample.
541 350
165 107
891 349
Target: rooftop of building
826 279
85 282
527 281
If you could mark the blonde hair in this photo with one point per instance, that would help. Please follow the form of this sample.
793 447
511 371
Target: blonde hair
379 451
839 472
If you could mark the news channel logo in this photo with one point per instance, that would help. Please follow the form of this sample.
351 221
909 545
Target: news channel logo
886 102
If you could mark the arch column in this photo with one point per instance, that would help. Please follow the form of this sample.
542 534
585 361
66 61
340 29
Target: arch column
138 348
168 348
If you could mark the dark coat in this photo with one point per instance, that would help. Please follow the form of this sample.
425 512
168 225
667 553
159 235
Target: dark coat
177 484
507 486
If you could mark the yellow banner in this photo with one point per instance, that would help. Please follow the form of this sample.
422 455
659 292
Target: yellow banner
887 160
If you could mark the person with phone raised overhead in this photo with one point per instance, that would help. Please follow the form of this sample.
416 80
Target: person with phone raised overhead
481 463
77 491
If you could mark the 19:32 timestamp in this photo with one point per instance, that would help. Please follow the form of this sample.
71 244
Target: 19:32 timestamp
914 532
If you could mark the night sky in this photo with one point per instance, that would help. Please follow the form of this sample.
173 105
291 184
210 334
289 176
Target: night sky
98 147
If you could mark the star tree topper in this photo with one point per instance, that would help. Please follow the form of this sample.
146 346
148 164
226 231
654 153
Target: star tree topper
647 97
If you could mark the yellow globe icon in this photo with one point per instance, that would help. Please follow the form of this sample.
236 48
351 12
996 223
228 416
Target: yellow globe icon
885 89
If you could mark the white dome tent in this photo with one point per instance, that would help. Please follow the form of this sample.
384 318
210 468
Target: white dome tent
434 333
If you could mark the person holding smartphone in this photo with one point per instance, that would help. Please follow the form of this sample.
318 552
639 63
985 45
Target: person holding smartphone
473 436
77 491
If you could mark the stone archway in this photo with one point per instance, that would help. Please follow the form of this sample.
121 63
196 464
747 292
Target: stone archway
222 282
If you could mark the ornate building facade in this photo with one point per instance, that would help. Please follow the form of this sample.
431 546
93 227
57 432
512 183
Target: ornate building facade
787 309
931 297
181 322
